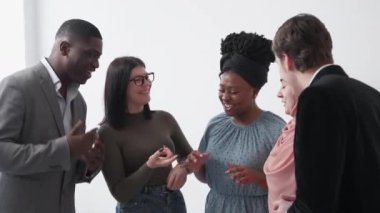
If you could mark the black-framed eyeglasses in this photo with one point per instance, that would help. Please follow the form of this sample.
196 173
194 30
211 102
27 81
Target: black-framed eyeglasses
140 79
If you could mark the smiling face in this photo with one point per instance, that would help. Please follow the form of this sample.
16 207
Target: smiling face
291 86
290 75
288 98
82 58
236 95
138 94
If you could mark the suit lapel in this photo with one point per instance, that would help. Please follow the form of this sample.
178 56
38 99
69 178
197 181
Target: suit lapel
51 97
328 71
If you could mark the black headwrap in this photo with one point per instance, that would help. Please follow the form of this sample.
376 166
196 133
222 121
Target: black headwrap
248 55
254 73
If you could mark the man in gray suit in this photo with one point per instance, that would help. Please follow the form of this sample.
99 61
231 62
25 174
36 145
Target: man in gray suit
44 149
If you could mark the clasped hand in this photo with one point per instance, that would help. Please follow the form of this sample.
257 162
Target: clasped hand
86 146
243 175
195 160
161 158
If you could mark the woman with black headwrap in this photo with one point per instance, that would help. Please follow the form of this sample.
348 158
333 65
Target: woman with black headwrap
237 142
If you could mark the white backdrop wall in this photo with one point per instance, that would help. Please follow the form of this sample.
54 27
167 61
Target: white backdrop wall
180 42
12 50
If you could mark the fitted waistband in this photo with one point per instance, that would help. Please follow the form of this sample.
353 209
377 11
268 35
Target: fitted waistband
160 188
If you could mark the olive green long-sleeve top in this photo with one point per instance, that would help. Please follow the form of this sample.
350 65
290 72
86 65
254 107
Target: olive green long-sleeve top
128 149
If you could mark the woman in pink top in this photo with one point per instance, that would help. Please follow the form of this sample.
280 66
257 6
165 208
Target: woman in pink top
279 166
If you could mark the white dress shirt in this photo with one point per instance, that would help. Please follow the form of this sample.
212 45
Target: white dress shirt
64 104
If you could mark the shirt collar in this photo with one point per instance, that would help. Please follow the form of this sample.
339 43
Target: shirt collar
52 74
318 70
72 89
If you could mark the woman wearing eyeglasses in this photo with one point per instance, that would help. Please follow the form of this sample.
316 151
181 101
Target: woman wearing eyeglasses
140 143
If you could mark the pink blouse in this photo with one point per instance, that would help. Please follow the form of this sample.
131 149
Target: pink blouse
279 168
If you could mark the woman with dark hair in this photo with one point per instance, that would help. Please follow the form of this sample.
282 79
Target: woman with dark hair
140 143
237 142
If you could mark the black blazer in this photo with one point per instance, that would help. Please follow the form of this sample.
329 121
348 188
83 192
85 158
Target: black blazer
337 146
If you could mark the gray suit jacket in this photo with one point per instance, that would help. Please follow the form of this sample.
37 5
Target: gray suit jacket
36 172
